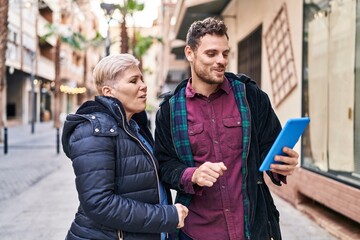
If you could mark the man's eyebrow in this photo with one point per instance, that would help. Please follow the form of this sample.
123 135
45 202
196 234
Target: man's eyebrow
216 50
211 50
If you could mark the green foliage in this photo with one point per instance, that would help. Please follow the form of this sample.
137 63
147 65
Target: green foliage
75 40
51 31
129 7
143 44
97 41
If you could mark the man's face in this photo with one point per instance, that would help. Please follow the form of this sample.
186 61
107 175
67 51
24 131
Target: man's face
210 59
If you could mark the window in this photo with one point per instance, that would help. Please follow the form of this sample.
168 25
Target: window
249 55
331 84
280 57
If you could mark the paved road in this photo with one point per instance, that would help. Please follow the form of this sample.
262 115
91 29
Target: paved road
38 198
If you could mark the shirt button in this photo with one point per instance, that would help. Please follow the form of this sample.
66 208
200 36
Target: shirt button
213 120
216 142
223 187
93 117
112 130
226 210
97 130
238 123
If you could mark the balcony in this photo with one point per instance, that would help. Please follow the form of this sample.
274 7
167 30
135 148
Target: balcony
45 68
42 30
188 11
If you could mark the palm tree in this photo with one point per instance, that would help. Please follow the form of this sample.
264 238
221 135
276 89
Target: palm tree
142 44
4 10
76 41
128 8
73 39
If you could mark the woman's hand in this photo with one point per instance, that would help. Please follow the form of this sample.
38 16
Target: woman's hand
182 213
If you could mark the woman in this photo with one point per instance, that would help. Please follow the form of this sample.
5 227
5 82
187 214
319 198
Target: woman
110 146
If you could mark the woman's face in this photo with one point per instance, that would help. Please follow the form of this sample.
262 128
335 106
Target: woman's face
131 90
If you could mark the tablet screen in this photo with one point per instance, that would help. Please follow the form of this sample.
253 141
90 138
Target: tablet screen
288 137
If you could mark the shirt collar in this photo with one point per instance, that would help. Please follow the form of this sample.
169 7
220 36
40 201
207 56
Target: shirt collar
190 91
134 125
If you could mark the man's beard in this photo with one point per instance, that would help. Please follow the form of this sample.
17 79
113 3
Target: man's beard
206 77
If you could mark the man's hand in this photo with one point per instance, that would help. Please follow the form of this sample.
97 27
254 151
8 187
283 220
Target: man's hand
289 162
182 213
208 173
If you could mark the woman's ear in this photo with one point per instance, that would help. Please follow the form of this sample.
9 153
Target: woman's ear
107 91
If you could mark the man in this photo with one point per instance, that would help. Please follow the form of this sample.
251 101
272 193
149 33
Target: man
211 135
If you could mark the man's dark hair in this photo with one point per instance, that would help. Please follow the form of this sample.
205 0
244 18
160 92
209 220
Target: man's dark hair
198 29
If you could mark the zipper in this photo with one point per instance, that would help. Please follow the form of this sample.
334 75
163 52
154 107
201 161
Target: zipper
120 235
141 144
270 229
247 220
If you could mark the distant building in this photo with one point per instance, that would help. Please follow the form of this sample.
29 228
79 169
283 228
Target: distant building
31 61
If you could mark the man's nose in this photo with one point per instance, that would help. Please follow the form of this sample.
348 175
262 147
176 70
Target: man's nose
221 59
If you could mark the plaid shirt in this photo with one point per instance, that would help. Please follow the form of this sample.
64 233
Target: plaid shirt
182 142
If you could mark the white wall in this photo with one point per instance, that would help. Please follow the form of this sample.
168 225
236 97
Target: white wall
242 17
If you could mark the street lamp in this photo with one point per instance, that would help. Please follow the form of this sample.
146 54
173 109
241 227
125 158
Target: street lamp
109 9
33 100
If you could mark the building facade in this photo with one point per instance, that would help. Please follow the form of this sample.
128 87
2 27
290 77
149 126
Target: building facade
31 59
305 56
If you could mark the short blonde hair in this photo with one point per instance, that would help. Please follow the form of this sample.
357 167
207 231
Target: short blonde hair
108 68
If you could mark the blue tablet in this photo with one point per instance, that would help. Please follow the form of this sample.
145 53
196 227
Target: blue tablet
288 137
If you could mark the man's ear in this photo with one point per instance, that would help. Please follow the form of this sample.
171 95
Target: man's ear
188 53
107 91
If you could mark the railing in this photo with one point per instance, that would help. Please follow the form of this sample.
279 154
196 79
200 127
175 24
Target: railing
20 140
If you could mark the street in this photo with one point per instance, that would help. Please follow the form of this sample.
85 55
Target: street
38 198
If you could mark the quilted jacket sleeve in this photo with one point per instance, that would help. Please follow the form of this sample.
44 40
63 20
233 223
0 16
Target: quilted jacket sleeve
94 166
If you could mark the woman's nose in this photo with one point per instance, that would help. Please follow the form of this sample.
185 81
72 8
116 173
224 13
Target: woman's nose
143 87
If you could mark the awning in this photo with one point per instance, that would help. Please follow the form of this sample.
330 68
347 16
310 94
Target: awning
177 48
199 12
192 11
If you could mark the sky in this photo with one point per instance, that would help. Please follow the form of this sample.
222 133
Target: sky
144 18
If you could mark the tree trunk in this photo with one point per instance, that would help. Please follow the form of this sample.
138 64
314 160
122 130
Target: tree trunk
86 95
124 48
4 10
57 82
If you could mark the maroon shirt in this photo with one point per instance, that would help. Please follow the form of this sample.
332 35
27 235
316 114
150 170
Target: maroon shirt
215 133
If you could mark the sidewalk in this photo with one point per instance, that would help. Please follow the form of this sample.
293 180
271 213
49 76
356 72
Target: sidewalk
37 192
30 158
38 199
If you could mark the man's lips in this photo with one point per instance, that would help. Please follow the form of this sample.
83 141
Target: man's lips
219 69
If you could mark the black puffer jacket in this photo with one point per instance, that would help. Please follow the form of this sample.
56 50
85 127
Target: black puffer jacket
116 176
